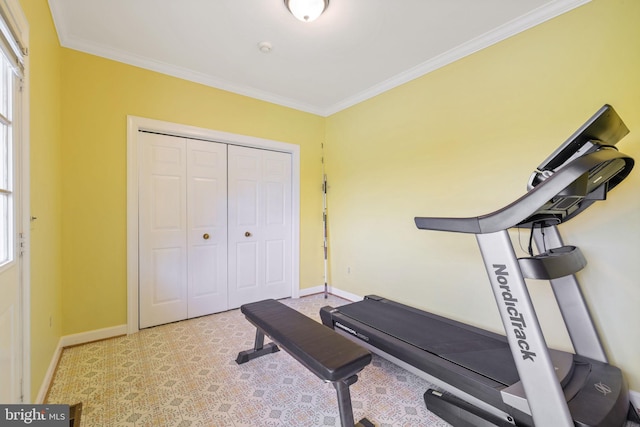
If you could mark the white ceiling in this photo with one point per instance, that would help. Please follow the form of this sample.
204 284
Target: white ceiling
355 50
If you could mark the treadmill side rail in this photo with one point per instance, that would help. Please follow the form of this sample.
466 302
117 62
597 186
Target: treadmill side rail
528 347
547 203
459 413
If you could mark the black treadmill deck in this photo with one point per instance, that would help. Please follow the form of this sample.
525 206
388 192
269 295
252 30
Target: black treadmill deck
480 351
473 360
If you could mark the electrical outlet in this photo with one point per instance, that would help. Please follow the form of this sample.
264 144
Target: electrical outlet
348 269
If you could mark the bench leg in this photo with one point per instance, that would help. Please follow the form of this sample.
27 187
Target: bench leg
344 403
259 349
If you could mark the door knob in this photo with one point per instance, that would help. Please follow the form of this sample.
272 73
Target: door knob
247 234
205 236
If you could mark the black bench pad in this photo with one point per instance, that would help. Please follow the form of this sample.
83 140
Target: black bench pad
320 349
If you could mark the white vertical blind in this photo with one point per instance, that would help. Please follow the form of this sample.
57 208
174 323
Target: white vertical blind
9 44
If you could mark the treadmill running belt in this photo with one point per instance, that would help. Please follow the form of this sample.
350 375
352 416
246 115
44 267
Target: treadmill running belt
483 354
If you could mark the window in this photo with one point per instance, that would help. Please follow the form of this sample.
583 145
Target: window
11 68
7 212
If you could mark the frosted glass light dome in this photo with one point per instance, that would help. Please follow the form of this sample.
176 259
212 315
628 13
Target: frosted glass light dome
306 10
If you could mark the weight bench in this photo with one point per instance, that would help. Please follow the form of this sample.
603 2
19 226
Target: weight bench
329 355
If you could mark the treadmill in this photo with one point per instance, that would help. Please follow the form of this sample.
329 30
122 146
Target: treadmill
488 379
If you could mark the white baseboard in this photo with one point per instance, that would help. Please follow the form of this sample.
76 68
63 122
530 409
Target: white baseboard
97 335
333 291
311 291
346 295
634 396
71 340
48 376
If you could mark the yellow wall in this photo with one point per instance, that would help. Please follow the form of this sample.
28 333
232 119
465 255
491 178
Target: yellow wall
45 168
79 108
462 141
459 141
98 94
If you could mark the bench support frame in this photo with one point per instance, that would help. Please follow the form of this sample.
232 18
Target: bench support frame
342 387
259 349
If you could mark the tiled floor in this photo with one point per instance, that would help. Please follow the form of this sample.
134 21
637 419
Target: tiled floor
184 374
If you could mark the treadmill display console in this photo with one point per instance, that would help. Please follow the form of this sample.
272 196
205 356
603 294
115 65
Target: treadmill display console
604 129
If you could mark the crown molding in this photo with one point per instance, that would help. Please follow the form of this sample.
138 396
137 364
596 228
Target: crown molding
184 74
525 22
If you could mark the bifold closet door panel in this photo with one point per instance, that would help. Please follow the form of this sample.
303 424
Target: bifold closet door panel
207 227
259 221
162 228
182 229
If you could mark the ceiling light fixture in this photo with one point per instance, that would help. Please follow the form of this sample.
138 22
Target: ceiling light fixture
306 10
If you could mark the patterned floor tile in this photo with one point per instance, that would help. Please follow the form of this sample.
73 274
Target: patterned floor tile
184 374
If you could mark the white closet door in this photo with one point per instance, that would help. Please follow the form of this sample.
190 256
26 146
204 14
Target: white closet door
162 230
207 225
259 213
214 227
183 229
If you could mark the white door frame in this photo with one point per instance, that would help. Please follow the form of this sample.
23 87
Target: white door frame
134 126
19 26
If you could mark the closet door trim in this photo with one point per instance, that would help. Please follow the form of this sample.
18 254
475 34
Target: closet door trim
137 124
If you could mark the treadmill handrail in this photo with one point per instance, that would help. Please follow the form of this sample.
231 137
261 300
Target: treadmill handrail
530 203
